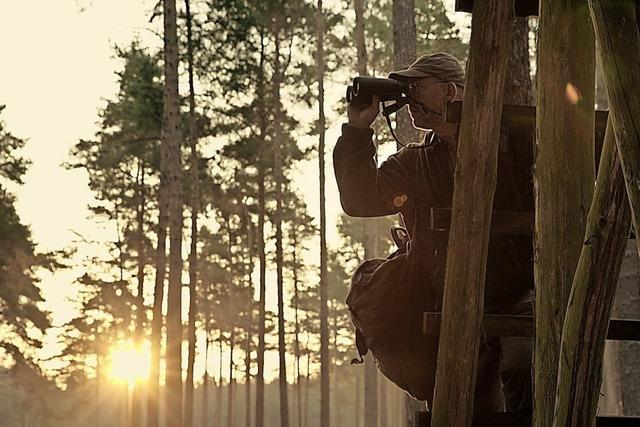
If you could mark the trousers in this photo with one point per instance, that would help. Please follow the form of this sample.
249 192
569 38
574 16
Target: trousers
504 374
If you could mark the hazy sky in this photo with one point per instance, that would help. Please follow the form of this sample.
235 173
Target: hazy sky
58 67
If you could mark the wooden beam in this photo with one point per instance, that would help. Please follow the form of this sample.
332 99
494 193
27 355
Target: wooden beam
502 325
617 26
564 174
475 181
520 115
592 295
502 222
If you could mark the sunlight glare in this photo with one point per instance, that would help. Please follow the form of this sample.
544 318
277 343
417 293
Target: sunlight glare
129 362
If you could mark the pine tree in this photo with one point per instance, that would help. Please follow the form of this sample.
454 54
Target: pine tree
171 138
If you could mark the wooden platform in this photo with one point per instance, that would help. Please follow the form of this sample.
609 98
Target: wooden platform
423 419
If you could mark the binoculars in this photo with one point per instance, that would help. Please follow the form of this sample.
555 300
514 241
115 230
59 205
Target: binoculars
363 89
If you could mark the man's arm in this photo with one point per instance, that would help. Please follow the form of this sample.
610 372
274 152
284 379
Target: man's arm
365 189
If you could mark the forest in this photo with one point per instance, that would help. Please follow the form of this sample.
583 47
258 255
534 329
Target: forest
215 295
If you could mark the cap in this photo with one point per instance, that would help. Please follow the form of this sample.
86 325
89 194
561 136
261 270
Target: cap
440 65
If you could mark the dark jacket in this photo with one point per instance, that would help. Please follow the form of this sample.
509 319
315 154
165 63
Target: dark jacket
367 190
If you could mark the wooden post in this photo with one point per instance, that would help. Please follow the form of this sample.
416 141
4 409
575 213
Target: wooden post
616 25
592 294
475 180
563 177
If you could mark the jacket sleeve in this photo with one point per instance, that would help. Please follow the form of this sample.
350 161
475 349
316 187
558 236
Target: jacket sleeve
365 189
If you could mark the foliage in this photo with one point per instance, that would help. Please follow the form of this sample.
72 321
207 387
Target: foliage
22 321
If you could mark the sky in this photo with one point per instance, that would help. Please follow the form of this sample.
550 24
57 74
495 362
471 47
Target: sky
58 69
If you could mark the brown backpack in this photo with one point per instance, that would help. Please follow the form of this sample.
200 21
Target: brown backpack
386 300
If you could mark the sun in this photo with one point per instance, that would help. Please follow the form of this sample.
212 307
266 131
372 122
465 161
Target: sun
130 363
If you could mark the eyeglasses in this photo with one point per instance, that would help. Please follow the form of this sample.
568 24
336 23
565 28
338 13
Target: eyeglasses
413 86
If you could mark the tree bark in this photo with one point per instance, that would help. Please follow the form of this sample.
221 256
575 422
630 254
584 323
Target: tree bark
195 209
249 325
361 49
404 53
383 397
563 178
153 398
296 306
325 358
592 294
136 408
475 180
518 88
171 137
261 250
231 412
278 178
205 378
220 381
616 25
370 370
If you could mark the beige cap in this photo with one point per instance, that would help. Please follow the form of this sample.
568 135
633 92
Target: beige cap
440 65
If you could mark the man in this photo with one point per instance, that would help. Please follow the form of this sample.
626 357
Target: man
504 367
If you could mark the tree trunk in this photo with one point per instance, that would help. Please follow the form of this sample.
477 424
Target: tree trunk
474 187
325 361
278 178
247 350
136 408
592 294
383 397
296 303
220 382
261 251
205 378
358 407
370 370
307 386
195 209
563 178
616 25
404 53
370 392
361 49
517 89
171 137
231 413
153 398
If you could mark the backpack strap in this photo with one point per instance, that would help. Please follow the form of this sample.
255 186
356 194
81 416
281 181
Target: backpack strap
361 346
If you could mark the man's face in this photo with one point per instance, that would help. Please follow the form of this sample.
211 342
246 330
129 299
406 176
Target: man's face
433 94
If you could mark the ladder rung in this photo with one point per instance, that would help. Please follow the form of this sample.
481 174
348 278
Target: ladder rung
502 222
500 325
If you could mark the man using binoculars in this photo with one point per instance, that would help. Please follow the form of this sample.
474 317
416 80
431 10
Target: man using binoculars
366 190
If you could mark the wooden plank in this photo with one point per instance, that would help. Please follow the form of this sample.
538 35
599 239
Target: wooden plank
503 325
522 7
505 419
502 222
473 195
563 178
525 116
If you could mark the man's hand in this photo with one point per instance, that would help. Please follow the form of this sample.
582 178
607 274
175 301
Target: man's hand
362 117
